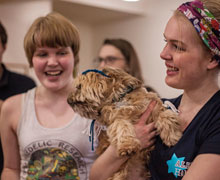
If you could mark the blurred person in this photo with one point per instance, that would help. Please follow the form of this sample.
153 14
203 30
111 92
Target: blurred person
119 53
42 137
11 83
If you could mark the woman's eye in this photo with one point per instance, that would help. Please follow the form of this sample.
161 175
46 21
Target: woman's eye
41 54
99 59
111 59
178 48
62 53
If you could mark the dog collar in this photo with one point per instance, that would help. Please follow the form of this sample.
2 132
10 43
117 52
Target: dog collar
96 71
128 90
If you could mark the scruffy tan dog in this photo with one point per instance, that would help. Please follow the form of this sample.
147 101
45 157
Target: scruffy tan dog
117 100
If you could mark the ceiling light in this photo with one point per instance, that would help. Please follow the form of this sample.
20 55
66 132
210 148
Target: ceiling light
131 0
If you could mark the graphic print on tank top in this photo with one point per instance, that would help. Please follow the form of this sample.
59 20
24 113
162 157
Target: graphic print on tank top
54 159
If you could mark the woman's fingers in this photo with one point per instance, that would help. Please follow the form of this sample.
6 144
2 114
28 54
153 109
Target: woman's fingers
149 143
146 133
147 113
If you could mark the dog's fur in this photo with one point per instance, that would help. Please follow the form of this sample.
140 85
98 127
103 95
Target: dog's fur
117 101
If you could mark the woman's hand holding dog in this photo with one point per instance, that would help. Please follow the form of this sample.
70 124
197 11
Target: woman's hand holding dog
111 162
146 132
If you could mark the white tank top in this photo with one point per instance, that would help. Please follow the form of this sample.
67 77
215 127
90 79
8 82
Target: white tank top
53 153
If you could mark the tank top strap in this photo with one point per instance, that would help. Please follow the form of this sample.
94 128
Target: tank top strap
26 106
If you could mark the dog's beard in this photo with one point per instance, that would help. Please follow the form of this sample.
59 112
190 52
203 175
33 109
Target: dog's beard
84 109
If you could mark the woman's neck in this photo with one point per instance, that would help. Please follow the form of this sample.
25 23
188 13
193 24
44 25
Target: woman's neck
192 101
48 96
198 96
199 93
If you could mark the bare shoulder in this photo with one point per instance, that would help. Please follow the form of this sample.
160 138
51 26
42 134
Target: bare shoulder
12 104
11 111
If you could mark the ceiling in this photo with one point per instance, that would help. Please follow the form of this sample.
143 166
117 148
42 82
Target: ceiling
90 14
95 11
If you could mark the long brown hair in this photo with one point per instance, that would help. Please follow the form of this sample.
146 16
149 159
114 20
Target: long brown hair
128 51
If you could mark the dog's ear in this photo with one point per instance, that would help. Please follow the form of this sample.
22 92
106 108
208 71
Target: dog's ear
122 83
122 77
131 81
103 85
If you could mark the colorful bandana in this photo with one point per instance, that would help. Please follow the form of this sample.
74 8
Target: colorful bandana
205 24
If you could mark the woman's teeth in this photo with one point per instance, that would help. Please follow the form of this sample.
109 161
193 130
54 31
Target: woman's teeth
172 69
54 73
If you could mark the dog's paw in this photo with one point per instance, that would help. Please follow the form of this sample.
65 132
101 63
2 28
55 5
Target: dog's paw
172 138
128 148
168 127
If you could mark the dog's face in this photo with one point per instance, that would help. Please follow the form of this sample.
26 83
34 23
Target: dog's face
94 89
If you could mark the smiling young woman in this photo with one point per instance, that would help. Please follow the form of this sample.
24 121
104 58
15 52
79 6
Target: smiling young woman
192 59
42 136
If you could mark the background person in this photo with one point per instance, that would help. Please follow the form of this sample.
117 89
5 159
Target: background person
192 58
119 53
11 83
42 136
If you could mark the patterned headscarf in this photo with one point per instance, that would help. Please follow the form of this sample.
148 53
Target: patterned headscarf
205 24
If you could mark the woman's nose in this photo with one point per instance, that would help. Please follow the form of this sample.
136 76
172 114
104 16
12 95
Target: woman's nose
102 64
52 60
165 53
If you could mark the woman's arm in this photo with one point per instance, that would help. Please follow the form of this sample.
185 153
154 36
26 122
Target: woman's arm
10 114
106 164
1 102
110 162
204 167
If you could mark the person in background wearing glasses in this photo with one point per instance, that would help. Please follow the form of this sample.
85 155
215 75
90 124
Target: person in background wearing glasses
119 53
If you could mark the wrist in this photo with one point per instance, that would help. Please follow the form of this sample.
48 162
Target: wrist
112 151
